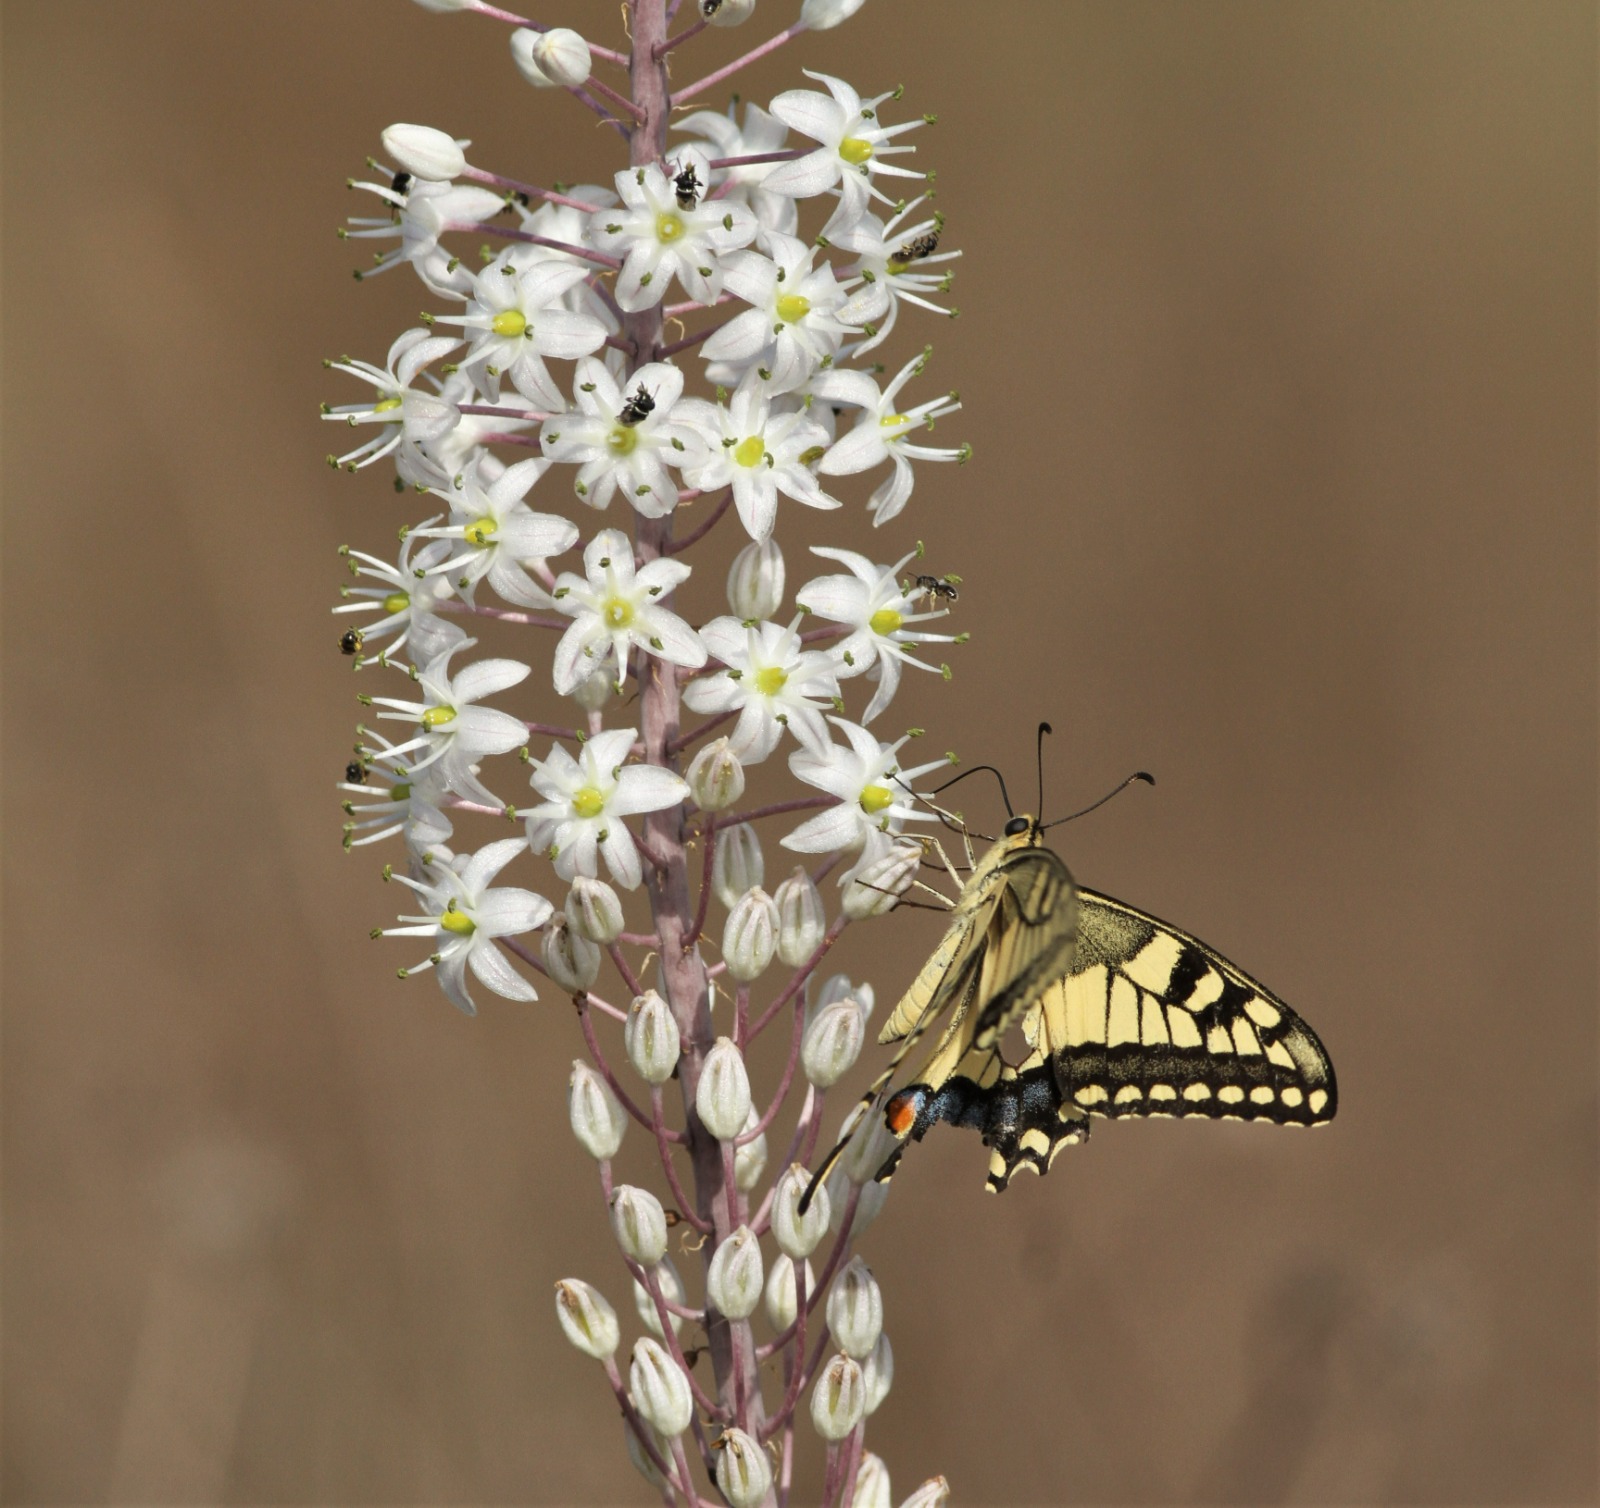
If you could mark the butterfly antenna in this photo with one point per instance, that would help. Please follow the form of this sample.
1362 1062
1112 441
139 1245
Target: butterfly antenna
1143 775
977 769
1043 729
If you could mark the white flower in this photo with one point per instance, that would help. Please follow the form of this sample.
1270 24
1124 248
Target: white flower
773 682
874 793
465 916
882 433
892 262
395 803
496 534
871 601
625 441
852 147
425 151
613 609
794 324
821 15
761 133
407 596
422 211
585 800
662 234
757 452
568 224
455 733
406 415
434 462
516 318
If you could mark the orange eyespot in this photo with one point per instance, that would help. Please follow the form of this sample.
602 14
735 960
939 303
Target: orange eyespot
900 1113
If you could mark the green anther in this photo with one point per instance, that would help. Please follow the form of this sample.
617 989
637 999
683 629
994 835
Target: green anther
385 405
622 439
749 452
813 454
617 612
588 802
510 322
437 717
479 532
668 226
458 922
771 681
855 150
885 621
793 306
396 602
874 798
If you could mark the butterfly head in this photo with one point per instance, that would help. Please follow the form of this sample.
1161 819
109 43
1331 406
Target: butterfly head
1024 826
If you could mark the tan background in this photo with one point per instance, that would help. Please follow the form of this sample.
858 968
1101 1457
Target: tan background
1278 348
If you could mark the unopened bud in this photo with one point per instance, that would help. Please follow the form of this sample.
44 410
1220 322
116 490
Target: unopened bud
641 1459
589 1321
801 918
878 1372
659 1390
750 1160
524 42
650 1036
572 960
715 776
735 1276
782 1296
869 1202
750 937
820 15
872 1484
737 865
742 1470
597 1119
833 1043
641 1225
444 7
424 152
563 57
727 12
671 1286
755 580
871 1146
797 1235
839 1399
839 987
855 1309
594 690
594 910
875 886
934 1493
722 1097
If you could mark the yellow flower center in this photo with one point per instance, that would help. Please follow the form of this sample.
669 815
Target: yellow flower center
617 612
855 150
396 602
874 798
510 322
437 717
458 922
400 793
793 306
749 452
668 226
892 421
386 405
885 621
479 532
588 802
622 439
771 681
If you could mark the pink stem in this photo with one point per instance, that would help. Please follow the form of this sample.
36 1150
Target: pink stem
618 101
508 233
658 1124
841 1242
695 535
683 36
709 838
829 938
778 808
512 19
778 1098
550 730
696 338
593 1044
629 978
791 1391
478 175
771 45
678 745
756 158
503 615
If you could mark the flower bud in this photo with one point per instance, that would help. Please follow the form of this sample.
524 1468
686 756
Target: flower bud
594 690
589 1321
640 1225
444 7
822 15
728 13
839 987
876 884
797 1235
641 1460
524 41
878 1372
659 1390
755 580
872 1484
869 1203
742 1470
563 57
573 961
597 1119
870 1147
934 1493
833 1043
650 1036
783 1296
722 1097
801 919
735 1276
715 776
424 152
737 865
750 1160
839 1399
855 1309
594 910
751 935
671 1286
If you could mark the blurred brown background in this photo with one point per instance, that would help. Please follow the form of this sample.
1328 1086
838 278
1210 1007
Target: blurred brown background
1278 350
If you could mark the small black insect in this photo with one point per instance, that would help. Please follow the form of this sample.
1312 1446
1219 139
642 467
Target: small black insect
637 408
350 641
687 186
402 183
934 587
915 251
355 772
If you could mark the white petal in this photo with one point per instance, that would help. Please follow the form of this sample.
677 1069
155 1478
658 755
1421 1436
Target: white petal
827 832
646 788
493 970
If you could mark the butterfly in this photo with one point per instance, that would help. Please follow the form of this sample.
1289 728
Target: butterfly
1122 1015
